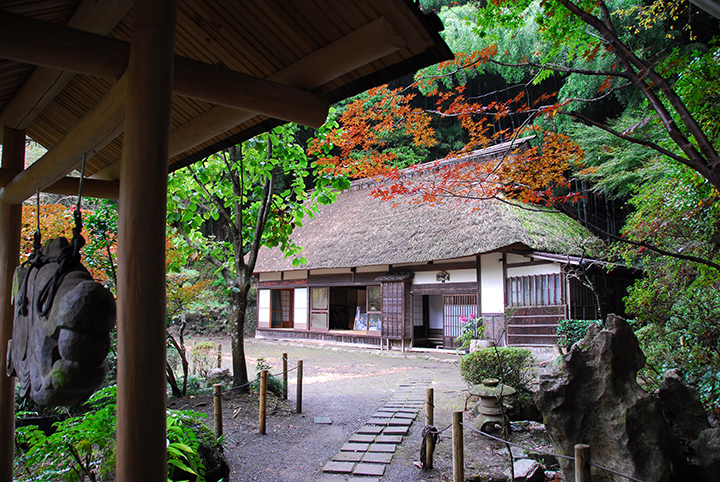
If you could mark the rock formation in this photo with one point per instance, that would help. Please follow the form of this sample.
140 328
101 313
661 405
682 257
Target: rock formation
594 399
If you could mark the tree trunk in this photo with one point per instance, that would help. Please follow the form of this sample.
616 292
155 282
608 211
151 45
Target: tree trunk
238 307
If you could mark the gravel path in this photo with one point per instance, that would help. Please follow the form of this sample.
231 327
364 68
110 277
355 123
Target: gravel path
346 384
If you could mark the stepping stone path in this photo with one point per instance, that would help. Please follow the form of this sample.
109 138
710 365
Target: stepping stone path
368 451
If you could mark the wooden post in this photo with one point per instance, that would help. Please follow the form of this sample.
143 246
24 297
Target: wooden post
429 420
219 356
285 377
457 447
582 463
298 403
217 398
13 157
141 451
263 401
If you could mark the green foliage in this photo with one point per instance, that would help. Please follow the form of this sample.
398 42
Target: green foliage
100 250
572 331
274 385
510 365
83 447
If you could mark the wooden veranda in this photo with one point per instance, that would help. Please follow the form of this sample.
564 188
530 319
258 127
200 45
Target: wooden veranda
150 86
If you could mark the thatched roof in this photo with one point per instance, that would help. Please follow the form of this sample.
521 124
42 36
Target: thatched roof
360 230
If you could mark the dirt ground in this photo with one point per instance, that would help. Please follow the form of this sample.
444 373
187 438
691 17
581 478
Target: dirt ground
347 384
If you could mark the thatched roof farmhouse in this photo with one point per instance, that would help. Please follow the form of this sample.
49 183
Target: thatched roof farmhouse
381 272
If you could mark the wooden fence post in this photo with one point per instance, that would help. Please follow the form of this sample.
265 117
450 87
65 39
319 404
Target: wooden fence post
217 398
582 463
429 420
285 377
219 358
263 400
299 387
458 449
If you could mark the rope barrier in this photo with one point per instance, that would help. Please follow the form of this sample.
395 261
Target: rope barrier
548 453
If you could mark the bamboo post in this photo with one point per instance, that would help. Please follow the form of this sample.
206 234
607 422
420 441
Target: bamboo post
141 327
457 447
285 376
13 157
430 420
299 387
219 355
582 463
217 398
263 401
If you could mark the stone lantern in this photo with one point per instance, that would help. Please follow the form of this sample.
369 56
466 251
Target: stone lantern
489 409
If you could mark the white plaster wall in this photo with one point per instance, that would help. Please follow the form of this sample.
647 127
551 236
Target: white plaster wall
300 317
263 308
277 276
373 269
456 276
302 274
491 289
534 270
330 271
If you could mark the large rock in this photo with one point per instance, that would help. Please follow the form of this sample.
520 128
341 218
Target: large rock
706 458
682 407
594 399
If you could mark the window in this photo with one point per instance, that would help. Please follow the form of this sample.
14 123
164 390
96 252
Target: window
319 309
537 290
374 308
281 308
455 307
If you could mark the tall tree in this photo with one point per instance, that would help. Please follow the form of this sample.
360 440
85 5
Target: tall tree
230 204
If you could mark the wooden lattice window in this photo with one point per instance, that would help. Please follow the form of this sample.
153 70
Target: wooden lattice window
454 308
536 290
319 308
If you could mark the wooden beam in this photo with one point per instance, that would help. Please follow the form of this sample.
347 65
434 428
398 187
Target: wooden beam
69 185
13 157
94 131
96 16
367 44
141 452
43 43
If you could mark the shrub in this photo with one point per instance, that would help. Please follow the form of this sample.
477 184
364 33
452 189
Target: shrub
274 384
510 365
204 357
571 331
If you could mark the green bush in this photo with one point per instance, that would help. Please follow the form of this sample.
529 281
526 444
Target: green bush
83 447
510 365
274 385
571 331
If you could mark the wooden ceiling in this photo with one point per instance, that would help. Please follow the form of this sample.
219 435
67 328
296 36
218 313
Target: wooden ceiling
241 67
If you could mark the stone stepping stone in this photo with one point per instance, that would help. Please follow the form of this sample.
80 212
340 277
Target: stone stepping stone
401 422
388 439
407 410
362 438
348 457
411 416
394 405
374 429
352 447
339 467
378 421
369 469
383 414
395 431
331 478
377 458
363 479
384 448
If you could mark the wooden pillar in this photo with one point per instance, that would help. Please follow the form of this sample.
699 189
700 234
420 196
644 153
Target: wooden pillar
13 157
141 453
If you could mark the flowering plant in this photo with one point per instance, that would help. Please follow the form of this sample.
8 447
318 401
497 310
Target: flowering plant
471 328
